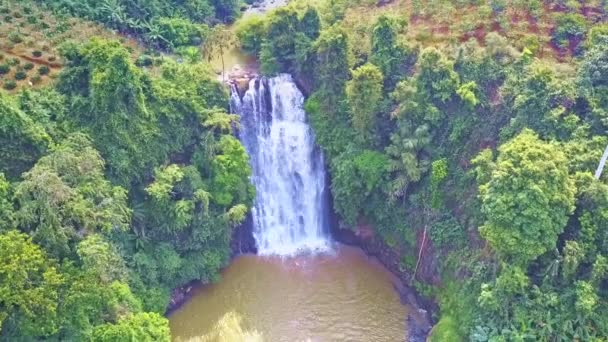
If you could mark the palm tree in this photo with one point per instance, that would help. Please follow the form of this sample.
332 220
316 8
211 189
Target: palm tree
407 160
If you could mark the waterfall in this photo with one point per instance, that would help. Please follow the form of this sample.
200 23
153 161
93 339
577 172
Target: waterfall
290 209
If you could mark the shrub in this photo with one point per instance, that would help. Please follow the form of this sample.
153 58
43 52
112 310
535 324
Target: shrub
17 15
44 26
44 70
36 79
52 58
37 53
250 33
28 66
20 75
5 10
10 85
32 20
144 61
8 19
4 69
15 37
569 26
14 61
1 56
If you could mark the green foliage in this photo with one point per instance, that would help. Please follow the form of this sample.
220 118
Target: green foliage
230 173
9 85
364 93
43 70
29 284
250 33
20 75
392 57
592 84
355 177
22 140
569 26
437 78
176 32
333 61
527 199
408 159
65 196
542 101
6 206
146 327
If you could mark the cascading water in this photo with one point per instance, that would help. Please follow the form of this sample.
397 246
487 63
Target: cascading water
289 214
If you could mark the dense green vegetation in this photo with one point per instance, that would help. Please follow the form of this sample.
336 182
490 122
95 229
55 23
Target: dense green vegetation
486 147
117 185
476 123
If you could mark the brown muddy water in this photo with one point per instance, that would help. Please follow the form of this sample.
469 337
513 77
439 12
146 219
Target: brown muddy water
342 296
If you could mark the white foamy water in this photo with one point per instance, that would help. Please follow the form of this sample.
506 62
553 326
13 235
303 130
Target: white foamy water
290 210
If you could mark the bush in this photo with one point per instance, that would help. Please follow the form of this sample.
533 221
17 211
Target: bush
14 61
52 58
17 15
250 33
4 69
178 32
8 19
36 79
5 10
569 26
15 37
37 53
44 70
32 20
28 66
144 61
10 85
20 75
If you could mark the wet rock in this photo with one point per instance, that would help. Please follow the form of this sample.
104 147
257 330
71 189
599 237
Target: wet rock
242 238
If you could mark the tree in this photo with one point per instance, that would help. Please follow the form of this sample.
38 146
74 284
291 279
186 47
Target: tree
356 176
226 10
101 258
278 53
22 140
542 101
408 158
220 39
145 327
29 288
333 62
592 82
7 215
230 173
250 32
527 198
65 197
393 58
310 24
364 94
436 78
106 99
